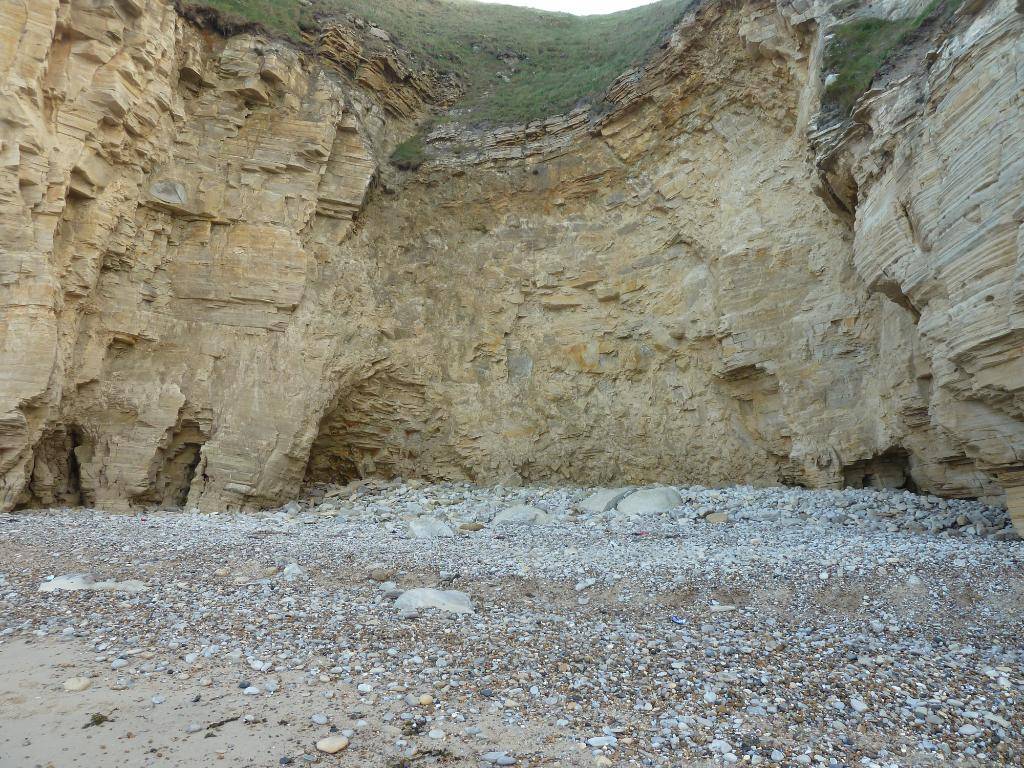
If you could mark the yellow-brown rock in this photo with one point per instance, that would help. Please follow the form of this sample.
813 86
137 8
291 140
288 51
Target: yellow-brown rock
205 299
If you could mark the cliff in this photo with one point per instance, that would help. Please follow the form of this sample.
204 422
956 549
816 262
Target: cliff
214 288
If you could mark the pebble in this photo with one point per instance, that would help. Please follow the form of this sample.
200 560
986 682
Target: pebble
332 744
498 758
77 684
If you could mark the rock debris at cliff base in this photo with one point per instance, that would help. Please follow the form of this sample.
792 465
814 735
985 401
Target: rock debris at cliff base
657 626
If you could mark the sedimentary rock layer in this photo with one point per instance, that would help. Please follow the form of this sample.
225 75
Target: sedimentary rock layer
212 288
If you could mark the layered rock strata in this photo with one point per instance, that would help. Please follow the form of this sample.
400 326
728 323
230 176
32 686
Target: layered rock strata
207 298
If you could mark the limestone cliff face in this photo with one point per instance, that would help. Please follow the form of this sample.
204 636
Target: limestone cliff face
173 309
932 171
212 289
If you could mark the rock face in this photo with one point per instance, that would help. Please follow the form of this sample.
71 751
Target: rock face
206 297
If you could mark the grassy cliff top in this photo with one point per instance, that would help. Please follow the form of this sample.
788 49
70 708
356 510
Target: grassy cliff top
517 64
859 48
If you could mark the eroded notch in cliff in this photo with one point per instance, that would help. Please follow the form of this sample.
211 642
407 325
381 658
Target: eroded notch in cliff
888 469
56 471
373 428
176 465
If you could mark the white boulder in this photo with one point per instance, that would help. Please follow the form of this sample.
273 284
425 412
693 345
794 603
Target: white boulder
650 501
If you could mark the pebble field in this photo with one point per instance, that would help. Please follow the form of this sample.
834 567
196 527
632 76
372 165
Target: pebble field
408 624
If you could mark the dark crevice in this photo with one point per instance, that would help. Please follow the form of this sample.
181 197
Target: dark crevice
176 466
889 469
892 291
56 479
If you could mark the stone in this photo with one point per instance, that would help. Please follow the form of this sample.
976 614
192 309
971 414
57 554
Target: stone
77 684
498 758
585 584
721 746
429 528
332 744
716 518
521 514
604 500
168 191
650 501
83 581
451 601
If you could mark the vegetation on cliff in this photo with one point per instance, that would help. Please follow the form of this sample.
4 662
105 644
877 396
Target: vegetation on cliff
858 49
516 64
409 155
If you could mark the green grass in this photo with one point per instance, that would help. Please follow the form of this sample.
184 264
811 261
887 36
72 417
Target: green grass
280 17
563 60
409 155
859 48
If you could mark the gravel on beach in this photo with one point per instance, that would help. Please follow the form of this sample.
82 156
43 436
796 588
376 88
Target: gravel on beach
416 624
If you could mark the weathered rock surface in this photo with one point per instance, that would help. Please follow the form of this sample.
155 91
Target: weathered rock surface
650 501
604 499
521 514
205 299
449 600
429 528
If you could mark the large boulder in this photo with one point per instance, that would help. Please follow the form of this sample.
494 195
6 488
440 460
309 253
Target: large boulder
450 600
430 528
650 501
521 514
604 499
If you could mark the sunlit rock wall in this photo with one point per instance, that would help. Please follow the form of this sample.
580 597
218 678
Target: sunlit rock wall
211 288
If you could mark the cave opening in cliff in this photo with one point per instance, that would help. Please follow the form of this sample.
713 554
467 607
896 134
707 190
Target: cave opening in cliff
372 429
56 474
888 469
178 465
